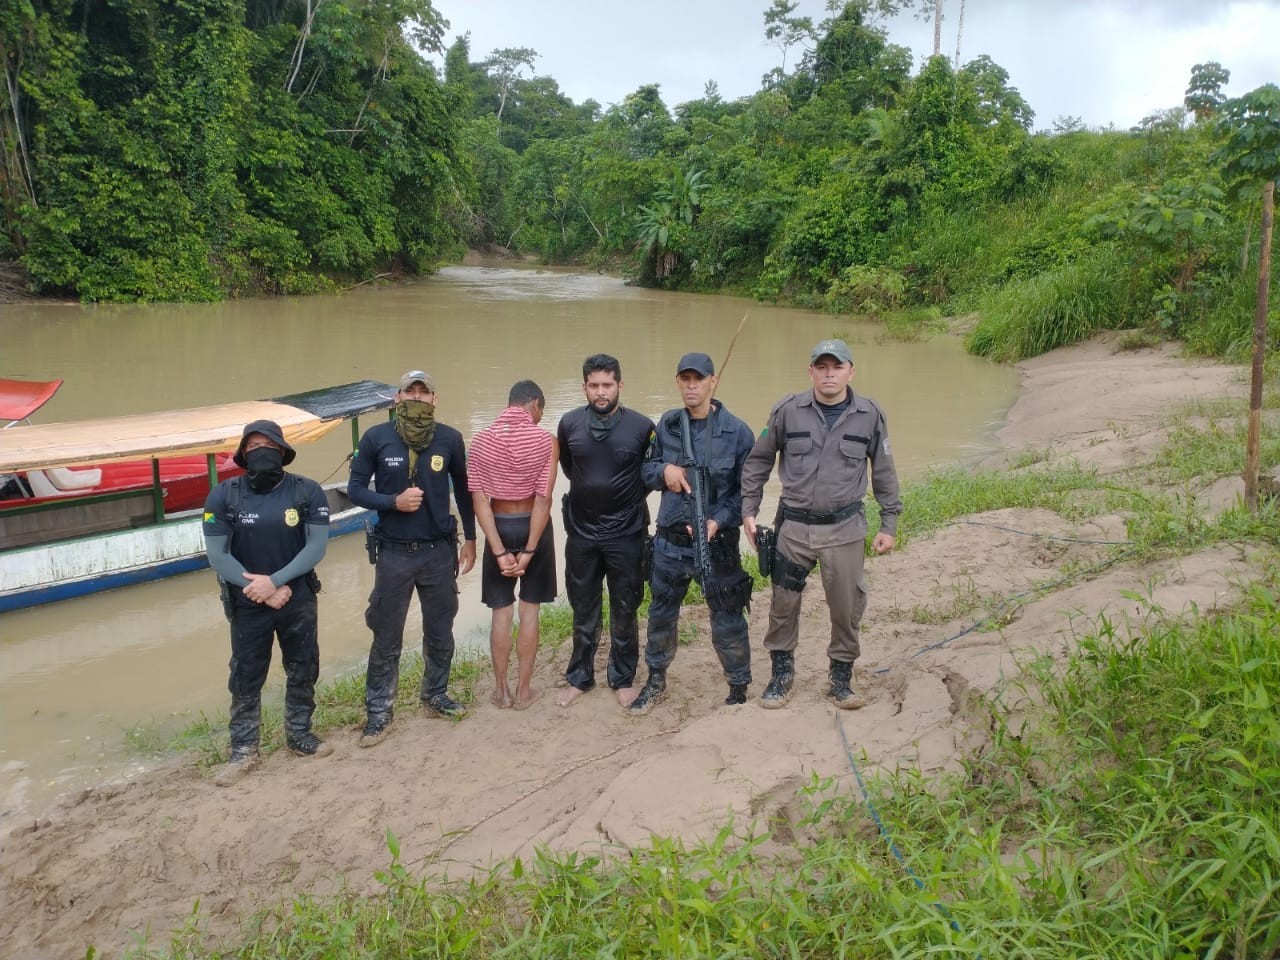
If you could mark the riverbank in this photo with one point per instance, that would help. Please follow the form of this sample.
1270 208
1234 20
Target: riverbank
504 783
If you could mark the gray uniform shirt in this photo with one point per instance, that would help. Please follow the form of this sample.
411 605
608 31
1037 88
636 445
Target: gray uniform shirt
824 468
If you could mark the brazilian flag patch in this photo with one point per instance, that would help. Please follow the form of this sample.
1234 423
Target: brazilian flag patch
764 433
208 517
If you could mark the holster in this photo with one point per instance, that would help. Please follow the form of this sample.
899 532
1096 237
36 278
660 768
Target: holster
312 580
228 603
646 558
766 549
371 542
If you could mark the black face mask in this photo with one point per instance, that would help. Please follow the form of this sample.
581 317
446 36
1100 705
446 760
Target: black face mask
265 468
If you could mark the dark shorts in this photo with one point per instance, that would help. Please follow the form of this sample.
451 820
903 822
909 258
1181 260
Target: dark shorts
538 585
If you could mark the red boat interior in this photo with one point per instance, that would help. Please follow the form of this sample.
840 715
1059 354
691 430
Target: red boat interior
185 479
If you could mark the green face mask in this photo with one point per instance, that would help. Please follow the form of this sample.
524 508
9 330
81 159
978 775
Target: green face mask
416 425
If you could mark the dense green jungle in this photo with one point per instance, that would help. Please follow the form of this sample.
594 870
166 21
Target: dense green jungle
199 149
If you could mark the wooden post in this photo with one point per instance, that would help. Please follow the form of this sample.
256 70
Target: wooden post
1254 442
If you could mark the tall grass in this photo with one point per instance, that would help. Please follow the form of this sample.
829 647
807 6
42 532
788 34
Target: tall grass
1061 306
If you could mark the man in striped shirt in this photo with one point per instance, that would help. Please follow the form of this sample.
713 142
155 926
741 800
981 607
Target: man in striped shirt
511 470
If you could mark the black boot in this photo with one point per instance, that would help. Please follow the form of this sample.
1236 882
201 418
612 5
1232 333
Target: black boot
299 705
653 693
840 692
737 695
778 692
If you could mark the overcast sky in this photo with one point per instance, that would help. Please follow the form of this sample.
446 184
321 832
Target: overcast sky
1104 61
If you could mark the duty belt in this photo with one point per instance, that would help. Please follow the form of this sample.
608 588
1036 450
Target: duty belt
411 546
676 536
679 537
820 519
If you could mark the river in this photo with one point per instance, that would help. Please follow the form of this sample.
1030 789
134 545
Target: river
76 676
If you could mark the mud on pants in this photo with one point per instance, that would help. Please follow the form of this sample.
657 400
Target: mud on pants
728 596
588 566
254 627
430 569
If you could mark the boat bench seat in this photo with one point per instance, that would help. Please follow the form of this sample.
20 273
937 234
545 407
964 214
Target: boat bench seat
57 481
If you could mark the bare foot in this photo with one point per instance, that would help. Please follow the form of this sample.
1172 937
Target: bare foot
568 696
524 703
627 696
501 698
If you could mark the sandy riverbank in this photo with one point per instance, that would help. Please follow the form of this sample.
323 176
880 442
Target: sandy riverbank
122 859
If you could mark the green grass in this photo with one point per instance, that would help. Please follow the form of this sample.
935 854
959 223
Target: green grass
1066 305
1206 452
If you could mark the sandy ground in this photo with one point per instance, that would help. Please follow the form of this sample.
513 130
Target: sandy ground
116 861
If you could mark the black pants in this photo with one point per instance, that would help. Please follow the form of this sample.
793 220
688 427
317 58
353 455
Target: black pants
253 628
432 571
588 565
673 571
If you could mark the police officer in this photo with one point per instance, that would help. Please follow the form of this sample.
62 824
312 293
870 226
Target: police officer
719 442
413 461
264 534
823 441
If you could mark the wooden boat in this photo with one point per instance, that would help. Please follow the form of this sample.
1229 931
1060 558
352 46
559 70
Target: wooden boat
83 541
185 480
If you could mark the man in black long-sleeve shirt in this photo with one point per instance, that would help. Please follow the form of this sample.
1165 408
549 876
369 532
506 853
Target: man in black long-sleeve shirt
413 462
606 521
264 533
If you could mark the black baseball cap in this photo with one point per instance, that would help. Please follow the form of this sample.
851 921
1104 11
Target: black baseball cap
699 363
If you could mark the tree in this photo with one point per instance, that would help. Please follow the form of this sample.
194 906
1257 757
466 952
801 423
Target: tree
998 103
785 31
1252 155
1204 92
504 66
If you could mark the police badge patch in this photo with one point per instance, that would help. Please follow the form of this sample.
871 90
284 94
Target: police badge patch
291 517
437 463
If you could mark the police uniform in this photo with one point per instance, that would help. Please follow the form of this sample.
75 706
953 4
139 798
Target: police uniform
416 551
823 470
279 531
673 555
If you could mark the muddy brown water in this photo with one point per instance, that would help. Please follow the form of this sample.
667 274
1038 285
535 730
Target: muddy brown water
76 676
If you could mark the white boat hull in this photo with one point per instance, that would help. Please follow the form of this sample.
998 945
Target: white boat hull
30 576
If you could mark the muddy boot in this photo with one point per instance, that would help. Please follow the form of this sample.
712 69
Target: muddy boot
840 692
778 692
376 729
653 693
737 695
442 705
307 745
243 760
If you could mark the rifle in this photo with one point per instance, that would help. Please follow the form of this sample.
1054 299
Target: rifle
697 477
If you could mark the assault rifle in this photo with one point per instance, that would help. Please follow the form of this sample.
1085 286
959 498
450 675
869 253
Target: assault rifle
697 477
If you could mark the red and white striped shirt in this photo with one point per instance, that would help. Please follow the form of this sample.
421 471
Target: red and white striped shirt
511 459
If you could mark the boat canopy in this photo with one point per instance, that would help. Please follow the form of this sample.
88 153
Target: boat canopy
303 417
19 399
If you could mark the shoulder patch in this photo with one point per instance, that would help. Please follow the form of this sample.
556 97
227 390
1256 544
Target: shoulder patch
764 433
210 517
